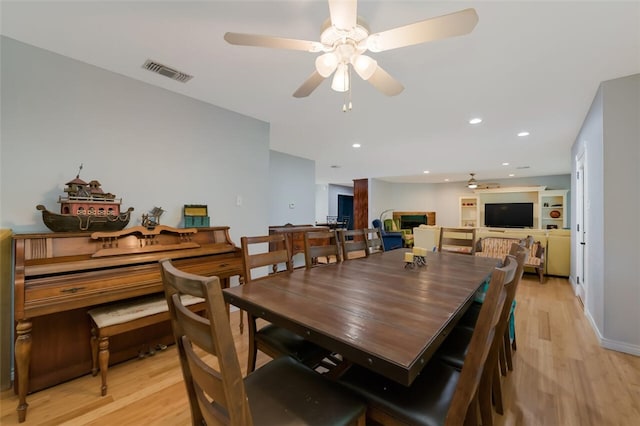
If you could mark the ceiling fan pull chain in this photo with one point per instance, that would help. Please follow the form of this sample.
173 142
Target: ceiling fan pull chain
350 85
347 105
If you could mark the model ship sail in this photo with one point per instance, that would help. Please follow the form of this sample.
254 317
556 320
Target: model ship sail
86 207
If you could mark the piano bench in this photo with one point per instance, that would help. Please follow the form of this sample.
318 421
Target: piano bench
121 317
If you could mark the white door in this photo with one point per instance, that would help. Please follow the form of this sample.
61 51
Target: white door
581 231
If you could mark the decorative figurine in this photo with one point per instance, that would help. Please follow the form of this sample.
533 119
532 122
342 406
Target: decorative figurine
416 257
152 219
86 208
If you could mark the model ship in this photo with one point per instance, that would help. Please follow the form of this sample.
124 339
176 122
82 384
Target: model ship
86 207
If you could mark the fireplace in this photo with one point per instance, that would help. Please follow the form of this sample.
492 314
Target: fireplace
410 220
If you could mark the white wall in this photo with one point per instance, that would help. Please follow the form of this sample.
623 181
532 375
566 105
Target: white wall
291 198
610 137
147 145
322 202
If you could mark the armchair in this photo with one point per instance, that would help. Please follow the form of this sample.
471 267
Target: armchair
390 240
393 225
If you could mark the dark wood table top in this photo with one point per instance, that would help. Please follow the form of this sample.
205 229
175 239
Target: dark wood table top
373 311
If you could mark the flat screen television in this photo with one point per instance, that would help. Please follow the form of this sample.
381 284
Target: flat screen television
508 215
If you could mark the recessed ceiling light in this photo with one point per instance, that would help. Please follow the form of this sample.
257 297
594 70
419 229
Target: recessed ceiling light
511 175
446 180
426 172
521 134
476 120
505 164
356 145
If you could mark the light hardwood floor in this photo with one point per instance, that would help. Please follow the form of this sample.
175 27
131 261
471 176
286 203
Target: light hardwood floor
561 377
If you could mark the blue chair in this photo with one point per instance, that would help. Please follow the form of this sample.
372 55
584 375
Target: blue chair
390 240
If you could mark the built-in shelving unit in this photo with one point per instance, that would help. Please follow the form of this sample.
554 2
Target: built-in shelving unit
469 213
550 210
553 209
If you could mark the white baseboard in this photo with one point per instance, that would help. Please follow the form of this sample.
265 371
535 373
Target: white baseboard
620 347
613 345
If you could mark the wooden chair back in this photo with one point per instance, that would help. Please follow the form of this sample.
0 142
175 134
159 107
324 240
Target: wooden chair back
277 256
216 394
464 400
373 237
458 240
353 243
489 383
321 247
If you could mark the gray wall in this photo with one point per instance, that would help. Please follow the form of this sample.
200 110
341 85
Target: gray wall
610 139
149 146
292 185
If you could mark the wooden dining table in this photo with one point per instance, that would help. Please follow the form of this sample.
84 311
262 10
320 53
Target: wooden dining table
373 311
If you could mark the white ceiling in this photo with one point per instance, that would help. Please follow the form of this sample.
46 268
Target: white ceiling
531 66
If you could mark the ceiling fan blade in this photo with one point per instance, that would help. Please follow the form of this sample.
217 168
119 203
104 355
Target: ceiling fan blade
309 85
273 42
451 25
386 84
344 13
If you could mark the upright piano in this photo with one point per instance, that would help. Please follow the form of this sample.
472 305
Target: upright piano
58 277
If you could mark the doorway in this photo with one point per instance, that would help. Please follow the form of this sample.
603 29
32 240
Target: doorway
581 247
345 209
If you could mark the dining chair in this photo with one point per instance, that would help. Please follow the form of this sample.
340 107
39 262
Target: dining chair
373 237
283 391
441 394
332 222
470 317
353 243
321 247
344 222
273 340
458 240
457 345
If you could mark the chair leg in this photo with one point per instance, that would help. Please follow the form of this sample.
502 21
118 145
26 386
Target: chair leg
540 274
502 358
507 350
252 353
496 391
484 398
471 419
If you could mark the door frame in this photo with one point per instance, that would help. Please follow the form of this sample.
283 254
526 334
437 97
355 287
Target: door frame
582 212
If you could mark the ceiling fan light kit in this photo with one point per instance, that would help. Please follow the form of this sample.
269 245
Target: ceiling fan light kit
340 81
472 184
345 37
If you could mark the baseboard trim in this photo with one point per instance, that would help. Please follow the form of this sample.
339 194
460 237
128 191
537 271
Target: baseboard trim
621 347
613 345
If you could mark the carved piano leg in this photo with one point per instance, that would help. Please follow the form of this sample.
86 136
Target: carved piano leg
23 360
103 356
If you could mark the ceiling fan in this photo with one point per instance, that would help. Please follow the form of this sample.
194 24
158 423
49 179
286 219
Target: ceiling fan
345 38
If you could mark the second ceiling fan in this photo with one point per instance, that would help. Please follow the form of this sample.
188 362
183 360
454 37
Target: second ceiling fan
345 38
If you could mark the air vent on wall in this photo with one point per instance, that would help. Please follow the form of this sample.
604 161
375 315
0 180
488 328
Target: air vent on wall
166 71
